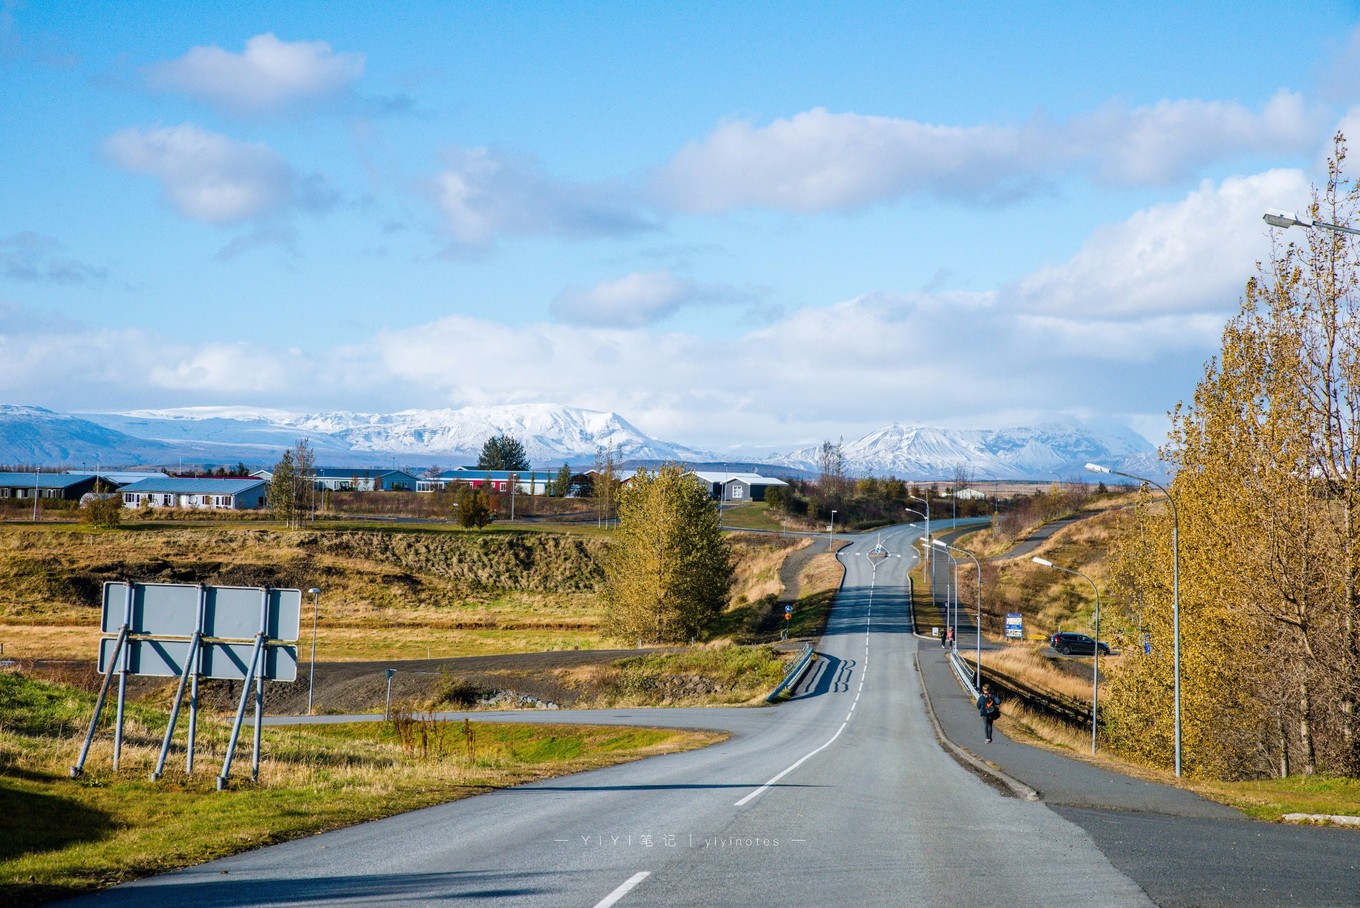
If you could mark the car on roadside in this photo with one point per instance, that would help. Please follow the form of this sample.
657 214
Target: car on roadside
1070 644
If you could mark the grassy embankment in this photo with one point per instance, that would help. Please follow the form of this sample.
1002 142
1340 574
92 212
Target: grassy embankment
404 592
388 592
60 837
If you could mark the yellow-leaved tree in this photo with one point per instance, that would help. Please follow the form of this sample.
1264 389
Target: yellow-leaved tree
668 572
1267 491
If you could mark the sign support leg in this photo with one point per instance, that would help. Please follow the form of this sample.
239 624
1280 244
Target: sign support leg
240 712
122 682
174 708
99 703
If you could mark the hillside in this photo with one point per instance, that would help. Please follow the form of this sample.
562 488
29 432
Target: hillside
385 593
404 592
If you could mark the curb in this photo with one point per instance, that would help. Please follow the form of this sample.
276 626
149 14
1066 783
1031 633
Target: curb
1322 819
1018 788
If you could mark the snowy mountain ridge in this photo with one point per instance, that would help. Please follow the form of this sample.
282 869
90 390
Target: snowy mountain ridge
551 435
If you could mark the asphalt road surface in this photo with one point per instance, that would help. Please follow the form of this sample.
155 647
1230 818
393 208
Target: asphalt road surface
841 796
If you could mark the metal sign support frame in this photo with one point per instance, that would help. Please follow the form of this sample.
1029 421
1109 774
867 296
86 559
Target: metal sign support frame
251 676
124 659
77 769
190 668
122 683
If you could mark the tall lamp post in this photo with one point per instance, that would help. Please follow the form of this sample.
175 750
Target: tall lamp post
926 502
1095 671
1175 598
311 669
951 599
918 514
951 549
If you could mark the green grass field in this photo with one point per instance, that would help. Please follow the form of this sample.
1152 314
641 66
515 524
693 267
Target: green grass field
60 837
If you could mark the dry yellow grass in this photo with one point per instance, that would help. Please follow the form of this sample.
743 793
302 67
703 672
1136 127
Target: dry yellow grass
361 644
759 559
1028 663
823 572
25 641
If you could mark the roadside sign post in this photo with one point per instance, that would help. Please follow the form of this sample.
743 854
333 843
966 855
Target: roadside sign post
179 694
189 632
122 687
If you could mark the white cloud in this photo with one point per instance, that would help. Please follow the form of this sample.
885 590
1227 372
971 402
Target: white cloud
1130 317
818 160
638 299
631 301
1127 340
1167 141
1340 76
232 368
483 193
1193 254
269 76
209 177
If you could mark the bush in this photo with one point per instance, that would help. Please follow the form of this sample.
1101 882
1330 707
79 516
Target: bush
103 511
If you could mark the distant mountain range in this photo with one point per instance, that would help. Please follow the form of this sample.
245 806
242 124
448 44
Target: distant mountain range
550 434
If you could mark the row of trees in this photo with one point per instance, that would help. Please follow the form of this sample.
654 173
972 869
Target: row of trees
1267 491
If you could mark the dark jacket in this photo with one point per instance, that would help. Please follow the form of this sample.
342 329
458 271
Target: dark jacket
989 705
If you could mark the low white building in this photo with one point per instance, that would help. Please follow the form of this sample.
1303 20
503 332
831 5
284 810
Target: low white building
197 493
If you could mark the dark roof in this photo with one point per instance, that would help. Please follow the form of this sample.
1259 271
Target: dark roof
344 473
196 486
42 480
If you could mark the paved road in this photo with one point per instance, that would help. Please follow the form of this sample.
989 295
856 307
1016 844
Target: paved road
841 796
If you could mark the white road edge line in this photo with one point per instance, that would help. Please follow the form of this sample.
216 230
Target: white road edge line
863 670
623 889
764 788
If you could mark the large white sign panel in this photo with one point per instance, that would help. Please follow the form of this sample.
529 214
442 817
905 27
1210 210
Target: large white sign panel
230 612
228 661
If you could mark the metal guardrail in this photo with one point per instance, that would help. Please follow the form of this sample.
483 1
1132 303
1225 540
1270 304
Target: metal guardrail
1076 712
964 672
793 676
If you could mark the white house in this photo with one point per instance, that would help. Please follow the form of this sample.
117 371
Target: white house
198 493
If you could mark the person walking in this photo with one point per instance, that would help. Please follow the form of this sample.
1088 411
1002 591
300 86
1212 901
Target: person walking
989 707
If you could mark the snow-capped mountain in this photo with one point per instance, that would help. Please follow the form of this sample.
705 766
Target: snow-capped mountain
1062 446
32 436
551 435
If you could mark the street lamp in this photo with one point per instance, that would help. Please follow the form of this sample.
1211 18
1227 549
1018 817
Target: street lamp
926 502
1277 218
1175 599
311 670
1095 672
951 599
831 533
950 550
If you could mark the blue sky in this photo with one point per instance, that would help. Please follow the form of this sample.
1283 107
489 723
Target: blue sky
757 224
